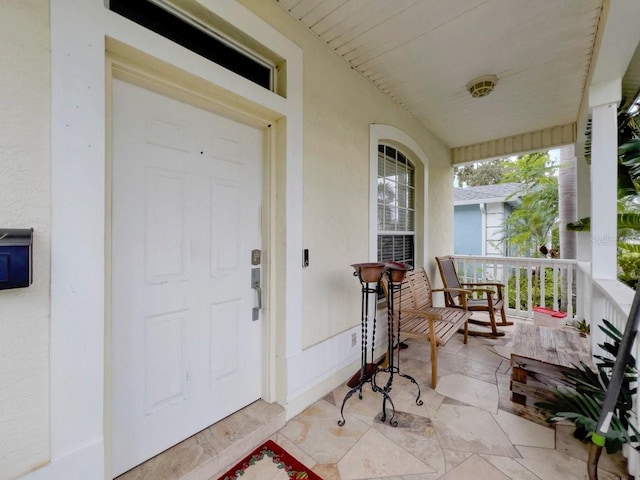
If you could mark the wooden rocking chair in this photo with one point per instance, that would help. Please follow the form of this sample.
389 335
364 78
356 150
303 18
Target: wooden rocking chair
489 298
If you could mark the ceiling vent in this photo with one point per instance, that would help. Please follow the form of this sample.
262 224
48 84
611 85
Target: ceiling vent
482 86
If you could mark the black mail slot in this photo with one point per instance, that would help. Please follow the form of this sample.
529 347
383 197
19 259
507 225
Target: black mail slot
16 265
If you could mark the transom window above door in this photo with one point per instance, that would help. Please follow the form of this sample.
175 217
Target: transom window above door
396 206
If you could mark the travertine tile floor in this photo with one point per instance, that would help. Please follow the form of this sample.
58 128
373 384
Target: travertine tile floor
467 428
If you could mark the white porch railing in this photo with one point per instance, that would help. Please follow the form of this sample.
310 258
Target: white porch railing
529 282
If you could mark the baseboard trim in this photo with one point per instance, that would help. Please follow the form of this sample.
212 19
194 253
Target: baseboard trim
309 397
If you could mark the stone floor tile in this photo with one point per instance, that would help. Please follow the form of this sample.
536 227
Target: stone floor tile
510 467
482 354
453 458
552 465
469 390
472 430
175 462
503 351
375 455
327 471
419 350
424 447
454 345
418 368
523 432
467 428
504 368
228 431
466 366
365 409
474 468
316 431
405 400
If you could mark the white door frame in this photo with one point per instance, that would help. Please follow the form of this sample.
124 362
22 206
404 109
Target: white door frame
79 426
175 87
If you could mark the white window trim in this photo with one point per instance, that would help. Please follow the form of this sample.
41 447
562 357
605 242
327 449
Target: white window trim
379 133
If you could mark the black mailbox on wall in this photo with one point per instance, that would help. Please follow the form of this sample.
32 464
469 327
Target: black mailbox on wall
16 255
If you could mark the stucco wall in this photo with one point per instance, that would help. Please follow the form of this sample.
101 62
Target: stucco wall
25 203
339 105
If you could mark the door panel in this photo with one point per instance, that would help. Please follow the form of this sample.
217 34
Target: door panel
186 195
166 255
164 361
225 202
223 335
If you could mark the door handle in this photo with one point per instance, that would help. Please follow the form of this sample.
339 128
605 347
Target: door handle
259 290
255 284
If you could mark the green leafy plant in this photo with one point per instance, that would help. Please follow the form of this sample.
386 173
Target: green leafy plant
536 288
531 223
581 402
582 326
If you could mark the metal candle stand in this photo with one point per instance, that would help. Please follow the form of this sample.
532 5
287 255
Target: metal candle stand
371 273
367 273
395 274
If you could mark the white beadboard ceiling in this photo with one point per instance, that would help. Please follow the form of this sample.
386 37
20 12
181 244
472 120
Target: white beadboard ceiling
422 54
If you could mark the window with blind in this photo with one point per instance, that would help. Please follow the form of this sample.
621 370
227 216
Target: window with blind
396 206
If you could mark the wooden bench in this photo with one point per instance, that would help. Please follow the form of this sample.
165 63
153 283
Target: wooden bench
541 355
421 320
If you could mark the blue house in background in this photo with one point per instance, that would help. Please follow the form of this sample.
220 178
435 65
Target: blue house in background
479 213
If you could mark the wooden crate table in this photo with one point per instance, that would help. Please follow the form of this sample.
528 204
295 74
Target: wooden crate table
539 356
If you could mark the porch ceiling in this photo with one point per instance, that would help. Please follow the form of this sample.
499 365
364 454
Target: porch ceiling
422 54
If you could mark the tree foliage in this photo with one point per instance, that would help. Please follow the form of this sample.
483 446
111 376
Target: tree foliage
484 173
530 225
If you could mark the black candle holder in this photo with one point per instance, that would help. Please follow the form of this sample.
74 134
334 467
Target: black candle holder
372 274
369 275
395 273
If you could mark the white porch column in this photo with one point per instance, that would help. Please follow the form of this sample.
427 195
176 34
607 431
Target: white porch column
603 101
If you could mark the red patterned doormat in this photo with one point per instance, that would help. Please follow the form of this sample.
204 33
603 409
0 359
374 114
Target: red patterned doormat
269 462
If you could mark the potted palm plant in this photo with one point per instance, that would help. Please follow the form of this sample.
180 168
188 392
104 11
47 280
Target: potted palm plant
582 401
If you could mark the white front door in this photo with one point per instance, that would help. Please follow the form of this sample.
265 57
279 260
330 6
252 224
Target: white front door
186 201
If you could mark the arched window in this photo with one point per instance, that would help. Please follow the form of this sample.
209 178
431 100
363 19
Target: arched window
396 206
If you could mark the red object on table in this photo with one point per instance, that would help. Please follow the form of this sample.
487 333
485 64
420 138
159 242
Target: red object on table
550 312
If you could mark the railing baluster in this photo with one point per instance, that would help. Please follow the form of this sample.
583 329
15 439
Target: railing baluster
484 272
529 287
505 280
517 273
465 272
556 275
556 272
543 292
569 290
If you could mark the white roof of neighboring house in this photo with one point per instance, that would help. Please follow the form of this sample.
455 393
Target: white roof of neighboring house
486 194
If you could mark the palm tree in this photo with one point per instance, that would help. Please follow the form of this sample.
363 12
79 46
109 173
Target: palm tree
529 226
567 211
